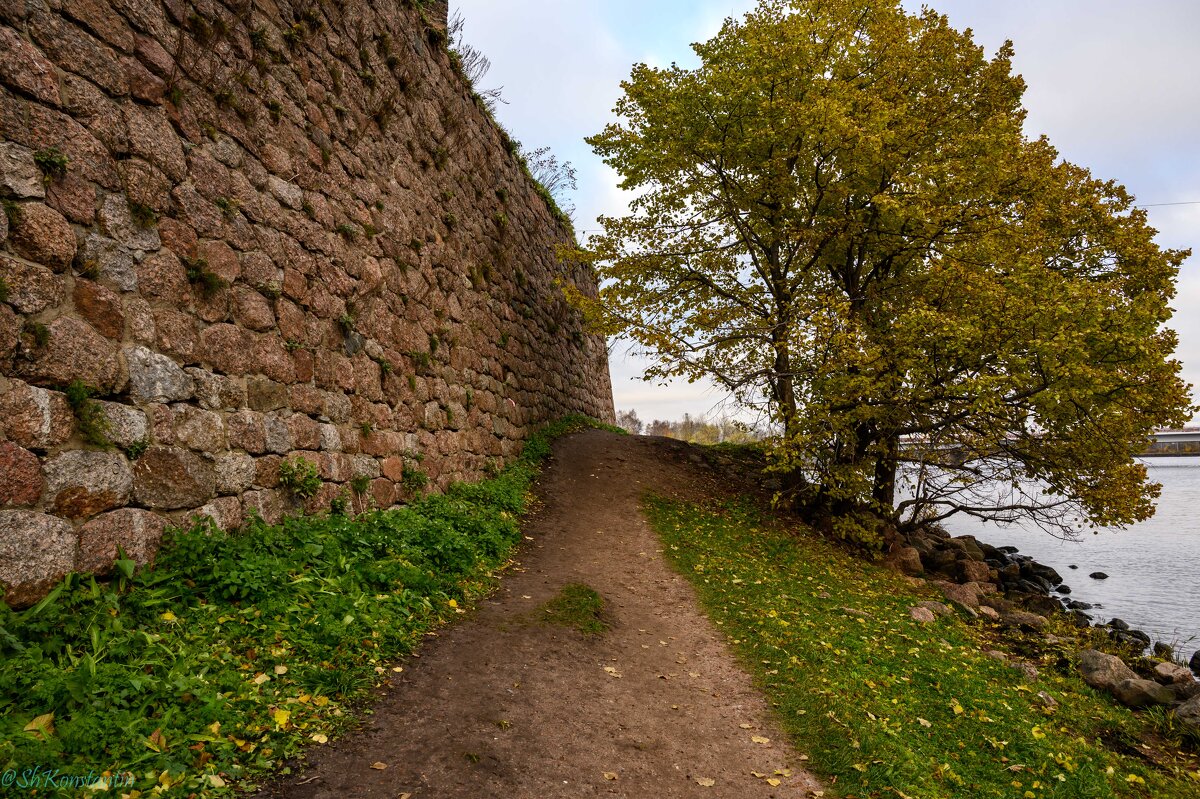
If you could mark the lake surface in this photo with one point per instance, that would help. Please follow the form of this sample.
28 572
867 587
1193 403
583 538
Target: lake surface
1153 567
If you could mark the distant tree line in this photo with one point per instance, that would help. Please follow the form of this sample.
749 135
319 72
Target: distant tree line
697 430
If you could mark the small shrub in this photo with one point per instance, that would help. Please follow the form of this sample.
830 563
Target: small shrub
294 35
38 332
208 283
258 38
346 323
3 289
300 478
291 345
369 231
229 207
142 215
416 245
52 161
89 415
450 220
13 212
441 157
347 231
174 95
275 109
360 484
366 428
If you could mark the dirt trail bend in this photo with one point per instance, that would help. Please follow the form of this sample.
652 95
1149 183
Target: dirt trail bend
502 705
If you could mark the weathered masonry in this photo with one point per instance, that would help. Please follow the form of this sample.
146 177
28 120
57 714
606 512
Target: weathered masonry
242 233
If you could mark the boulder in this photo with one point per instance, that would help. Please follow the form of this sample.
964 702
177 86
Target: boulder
44 236
971 571
169 478
21 480
907 560
82 483
1194 663
1098 576
1142 693
137 532
1168 673
1023 619
1189 713
156 378
36 551
1102 671
921 615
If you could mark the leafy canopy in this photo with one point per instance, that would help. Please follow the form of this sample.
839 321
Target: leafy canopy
839 218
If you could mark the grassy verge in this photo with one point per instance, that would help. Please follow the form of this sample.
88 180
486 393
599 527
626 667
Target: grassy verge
237 649
886 707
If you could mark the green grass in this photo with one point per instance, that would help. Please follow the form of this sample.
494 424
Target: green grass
577 606
239 649
885 707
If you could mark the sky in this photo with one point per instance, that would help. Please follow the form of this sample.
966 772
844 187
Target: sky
1112 83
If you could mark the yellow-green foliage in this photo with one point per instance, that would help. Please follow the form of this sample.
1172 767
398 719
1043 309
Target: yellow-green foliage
838 212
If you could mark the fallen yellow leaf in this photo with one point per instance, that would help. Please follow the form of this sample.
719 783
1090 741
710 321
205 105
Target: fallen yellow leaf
281 669
773 782
282 717
758 739
610 775
378 766
706 782
320 737
42 727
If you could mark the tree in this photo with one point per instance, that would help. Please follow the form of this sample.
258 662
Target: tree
839 217
629 421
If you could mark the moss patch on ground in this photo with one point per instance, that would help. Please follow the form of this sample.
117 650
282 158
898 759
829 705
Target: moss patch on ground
886 707
577 606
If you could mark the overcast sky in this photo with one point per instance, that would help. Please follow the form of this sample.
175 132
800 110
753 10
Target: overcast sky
1112 83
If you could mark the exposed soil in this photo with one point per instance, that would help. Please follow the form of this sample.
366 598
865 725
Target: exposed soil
504 705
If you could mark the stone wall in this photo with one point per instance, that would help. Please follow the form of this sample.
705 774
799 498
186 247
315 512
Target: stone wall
257 232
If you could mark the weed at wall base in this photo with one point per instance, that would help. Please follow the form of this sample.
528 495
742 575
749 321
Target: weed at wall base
238 649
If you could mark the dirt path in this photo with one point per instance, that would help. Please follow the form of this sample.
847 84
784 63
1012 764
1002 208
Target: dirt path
503 706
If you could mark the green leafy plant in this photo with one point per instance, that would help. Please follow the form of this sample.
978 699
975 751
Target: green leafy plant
291 345
366 428
258 38
52 162
207 282
275 109
90 420
137 449
413 478
360 484
3 289
229 207
450 220
300 478
347 231
346 323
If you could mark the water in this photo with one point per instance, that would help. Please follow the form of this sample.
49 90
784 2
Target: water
1153 567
